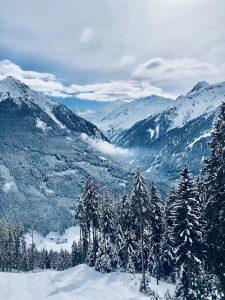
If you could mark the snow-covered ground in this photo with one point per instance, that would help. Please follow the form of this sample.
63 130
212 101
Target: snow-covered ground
79 283
53 240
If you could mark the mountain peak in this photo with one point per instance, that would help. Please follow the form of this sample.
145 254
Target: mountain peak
200 85
10 80
13 86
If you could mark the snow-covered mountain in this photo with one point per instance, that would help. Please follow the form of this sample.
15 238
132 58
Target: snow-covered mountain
47 152
118 117
177 135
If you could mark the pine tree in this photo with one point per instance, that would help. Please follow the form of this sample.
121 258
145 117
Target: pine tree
168 247
90 202
156 225
107 256
126 238
75 256
80 215
139 206
215 207
188 239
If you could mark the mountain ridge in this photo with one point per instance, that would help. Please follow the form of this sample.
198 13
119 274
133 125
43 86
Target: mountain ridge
44 161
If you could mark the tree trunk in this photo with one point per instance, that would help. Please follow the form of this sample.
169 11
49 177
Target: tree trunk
93 237
142 255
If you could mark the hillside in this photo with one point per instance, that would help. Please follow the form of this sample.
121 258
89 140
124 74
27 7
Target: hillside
119 117
47 152
177 135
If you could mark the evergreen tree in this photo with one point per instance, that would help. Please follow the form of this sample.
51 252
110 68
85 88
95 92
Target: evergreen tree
156 225
215 207
168 247
126 239
188 239
107 256
80 215
90 202
139 218
75 255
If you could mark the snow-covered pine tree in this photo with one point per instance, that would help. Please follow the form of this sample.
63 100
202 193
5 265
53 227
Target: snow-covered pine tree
168 247
75 256
156 226
215 208
107 256
140 217
130 268
188 240
80 216
90 202
125 238
23 255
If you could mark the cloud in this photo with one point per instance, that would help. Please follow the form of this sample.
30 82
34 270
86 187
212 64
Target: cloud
41 82
117 90
159 69
48 84
126 60
86 35
104 146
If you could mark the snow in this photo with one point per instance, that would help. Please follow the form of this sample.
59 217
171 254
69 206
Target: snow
20 92
41 125
125 115
9 186
151 131
53 240
205 135
80 283
102 157
202 99
9 183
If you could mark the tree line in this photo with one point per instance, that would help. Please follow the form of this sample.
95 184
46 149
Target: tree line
179 238
16 255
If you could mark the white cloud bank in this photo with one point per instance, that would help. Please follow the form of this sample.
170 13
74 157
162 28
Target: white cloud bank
145 74
117 90
103 92
159 69
104 146
41 82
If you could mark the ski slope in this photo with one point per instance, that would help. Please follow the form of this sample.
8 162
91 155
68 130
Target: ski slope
80 283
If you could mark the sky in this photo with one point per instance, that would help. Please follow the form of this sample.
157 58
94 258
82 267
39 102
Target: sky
88 53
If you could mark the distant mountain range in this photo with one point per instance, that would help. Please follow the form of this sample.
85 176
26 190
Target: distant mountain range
115 118
46 157
177 135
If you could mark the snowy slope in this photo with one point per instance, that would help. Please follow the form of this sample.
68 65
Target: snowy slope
125 115
202 99
44 159
80 283
177 135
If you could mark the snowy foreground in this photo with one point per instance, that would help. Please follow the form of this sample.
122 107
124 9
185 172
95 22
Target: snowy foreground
80 283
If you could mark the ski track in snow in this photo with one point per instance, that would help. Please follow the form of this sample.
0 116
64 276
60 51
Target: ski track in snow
80 283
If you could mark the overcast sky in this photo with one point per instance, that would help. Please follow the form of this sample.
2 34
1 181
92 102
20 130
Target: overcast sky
109 50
